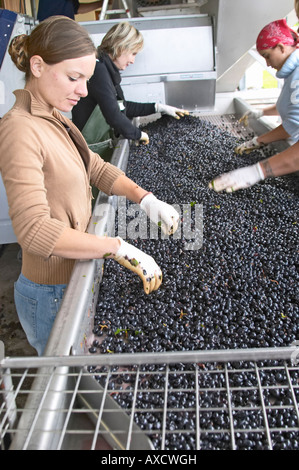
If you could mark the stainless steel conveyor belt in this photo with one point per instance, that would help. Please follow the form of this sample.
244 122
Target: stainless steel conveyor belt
67 407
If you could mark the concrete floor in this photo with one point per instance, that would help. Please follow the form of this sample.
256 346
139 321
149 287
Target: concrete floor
11 332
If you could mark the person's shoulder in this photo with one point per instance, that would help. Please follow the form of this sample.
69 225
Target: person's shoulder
13 115
101 66
17 122
295 57
100 73
16 116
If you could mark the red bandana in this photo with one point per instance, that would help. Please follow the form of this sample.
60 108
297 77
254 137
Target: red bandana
275 33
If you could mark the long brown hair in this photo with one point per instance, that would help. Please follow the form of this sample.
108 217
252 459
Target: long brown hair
55 39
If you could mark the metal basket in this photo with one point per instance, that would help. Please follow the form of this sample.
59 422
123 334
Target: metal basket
230 403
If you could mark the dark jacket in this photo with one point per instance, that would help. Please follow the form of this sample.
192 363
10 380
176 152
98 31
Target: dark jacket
48 8
104 89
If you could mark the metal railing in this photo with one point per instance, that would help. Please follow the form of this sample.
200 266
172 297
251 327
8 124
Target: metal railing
226 399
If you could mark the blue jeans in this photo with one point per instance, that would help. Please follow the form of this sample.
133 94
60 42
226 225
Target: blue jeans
37 306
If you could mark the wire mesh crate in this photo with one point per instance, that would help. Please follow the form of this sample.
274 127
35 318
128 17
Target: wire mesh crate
230 400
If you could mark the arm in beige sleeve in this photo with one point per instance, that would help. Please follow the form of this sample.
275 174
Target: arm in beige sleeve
73 244
79 245
124 186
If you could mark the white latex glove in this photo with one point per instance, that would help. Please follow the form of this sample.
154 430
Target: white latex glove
140 263
160 212
144 139
248 146
253 114
238 179
170 110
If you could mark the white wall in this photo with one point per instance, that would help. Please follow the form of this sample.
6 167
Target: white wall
238 23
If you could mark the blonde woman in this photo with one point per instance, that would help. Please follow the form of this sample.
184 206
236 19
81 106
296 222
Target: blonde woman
117 51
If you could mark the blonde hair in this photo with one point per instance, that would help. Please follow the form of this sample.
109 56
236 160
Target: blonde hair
120 38
55 39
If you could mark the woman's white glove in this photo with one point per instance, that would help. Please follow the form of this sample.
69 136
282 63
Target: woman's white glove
140 263
160 212
144 139
248 146
238 179
253 114
170 110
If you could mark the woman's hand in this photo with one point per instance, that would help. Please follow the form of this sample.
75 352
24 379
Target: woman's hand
248 146
144 139
160 212
238 179
171 111
253 114
142 264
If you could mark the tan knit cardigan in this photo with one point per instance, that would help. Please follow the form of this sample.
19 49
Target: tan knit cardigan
47 170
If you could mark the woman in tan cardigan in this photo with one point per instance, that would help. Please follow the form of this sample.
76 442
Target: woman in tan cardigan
47 170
